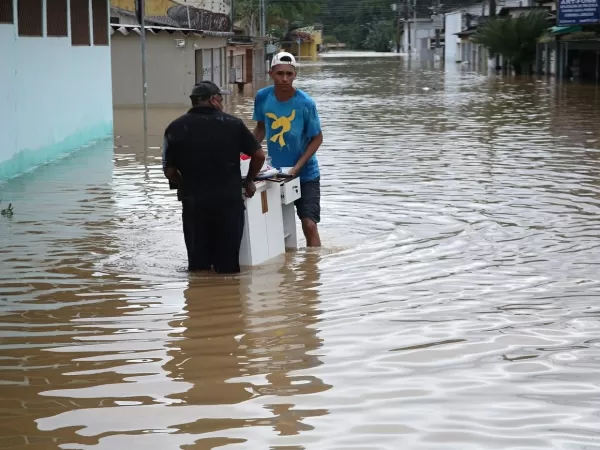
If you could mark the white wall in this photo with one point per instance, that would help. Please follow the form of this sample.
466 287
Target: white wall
54 98
453 23
424 32
170 71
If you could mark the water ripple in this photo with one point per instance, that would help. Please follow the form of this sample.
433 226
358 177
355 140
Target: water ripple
453 306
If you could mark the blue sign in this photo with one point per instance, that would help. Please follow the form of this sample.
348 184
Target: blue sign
578 12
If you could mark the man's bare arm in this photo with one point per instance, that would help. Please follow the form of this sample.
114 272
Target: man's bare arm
311 149
256 162
259 131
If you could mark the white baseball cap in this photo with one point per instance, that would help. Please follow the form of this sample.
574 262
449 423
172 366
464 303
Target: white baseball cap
283 58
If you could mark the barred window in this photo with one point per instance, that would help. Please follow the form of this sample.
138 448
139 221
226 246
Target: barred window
30 17
6 11
80 22
100 21
56 18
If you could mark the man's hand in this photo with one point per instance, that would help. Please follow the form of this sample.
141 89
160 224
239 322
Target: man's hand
174 177
250 188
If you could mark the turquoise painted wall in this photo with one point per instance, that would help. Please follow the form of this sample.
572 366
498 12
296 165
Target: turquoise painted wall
54 98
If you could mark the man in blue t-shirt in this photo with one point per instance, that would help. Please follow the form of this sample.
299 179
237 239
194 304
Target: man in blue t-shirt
288 118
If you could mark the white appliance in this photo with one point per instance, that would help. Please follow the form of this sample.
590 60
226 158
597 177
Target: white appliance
270 221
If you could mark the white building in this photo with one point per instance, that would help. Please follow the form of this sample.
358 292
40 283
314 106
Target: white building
55 81
421 37
176 59
459 20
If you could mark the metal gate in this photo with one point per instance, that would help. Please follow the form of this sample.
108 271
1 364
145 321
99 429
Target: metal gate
207 65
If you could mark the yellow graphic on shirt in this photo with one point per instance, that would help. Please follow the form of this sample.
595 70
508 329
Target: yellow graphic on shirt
285 123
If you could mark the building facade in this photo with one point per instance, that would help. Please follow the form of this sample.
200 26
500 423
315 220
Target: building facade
421 38
55 80
304 43
460 23
176 59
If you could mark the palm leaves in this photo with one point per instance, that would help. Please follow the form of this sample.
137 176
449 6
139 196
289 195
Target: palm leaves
514 38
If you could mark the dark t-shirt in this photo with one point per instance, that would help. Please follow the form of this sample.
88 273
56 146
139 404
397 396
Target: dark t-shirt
204 145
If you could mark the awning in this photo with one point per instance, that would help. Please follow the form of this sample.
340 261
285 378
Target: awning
565 30
465 33
126 29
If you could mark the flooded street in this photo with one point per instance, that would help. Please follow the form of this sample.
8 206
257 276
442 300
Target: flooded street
455 304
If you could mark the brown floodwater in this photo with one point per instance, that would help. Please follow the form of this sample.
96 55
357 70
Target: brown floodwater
455 304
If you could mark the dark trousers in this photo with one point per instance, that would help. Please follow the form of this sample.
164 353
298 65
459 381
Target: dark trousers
213 235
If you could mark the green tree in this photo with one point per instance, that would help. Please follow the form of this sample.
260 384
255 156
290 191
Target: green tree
247 16
357 23
280 15
379 36
514 38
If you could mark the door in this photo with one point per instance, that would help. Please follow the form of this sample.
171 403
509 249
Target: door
217 66
224 66
207 71
249 60
238 64
199 73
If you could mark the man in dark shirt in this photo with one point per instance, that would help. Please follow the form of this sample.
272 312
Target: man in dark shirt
201 157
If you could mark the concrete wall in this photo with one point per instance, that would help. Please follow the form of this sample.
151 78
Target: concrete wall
170 71
123 19
54 98
242 60
424 32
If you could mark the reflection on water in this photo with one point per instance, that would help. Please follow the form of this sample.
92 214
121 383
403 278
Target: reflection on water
453 306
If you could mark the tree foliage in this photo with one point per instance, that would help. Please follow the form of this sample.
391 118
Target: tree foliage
514 38
379 36
360 24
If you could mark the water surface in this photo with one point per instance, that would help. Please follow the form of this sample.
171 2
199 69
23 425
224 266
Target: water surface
454 305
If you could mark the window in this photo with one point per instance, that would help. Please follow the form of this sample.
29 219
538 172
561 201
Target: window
30 17
80 22
115 20
56 18
100 21
6 11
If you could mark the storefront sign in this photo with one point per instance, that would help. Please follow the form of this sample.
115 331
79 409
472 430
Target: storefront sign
578 12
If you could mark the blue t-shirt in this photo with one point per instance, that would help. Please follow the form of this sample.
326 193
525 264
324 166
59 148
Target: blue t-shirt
289 127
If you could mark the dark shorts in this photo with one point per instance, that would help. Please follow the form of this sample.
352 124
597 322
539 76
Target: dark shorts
213 236
308 206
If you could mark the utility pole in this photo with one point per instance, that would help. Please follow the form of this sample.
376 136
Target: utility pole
187 8
436 11
262 12
408 38
415 25
263 30
141 12
396 8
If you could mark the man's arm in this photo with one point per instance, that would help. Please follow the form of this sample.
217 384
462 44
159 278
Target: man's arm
258 115
311 149
252 148
259 131
256 162
313 129
168 163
